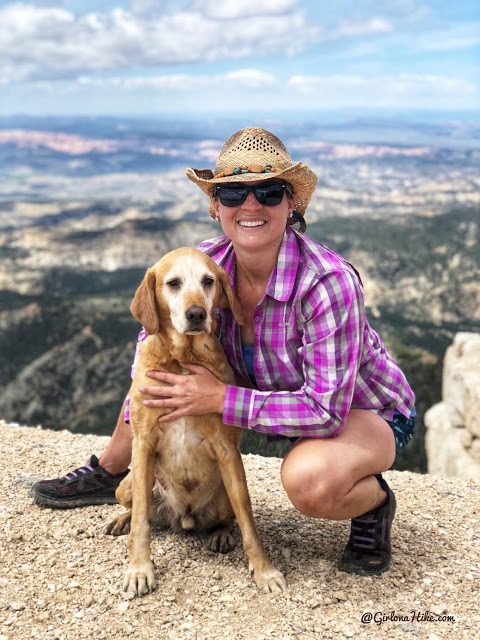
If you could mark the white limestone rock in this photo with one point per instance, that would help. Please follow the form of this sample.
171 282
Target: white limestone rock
452 440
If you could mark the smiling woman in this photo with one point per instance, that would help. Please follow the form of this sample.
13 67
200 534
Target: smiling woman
307 364
254 215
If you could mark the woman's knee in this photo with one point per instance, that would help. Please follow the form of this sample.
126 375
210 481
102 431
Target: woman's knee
312 488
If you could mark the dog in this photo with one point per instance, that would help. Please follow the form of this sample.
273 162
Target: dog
188 473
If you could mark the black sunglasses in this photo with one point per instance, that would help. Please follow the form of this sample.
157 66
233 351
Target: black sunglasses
268 195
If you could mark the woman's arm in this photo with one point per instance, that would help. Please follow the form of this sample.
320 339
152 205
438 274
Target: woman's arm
334 317
333 322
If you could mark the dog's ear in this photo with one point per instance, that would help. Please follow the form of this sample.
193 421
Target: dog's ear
143 306
228 300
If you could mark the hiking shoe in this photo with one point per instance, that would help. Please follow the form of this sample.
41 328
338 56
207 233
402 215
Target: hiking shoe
368 551
87 485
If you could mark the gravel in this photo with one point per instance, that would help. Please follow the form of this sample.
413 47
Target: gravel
61 578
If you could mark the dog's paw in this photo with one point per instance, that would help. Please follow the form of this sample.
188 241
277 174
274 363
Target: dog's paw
118 525
221 540
139 579
268 579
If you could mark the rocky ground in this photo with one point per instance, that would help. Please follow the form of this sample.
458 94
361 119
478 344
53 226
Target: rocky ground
61 577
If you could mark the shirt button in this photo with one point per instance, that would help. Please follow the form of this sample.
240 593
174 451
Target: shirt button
258 319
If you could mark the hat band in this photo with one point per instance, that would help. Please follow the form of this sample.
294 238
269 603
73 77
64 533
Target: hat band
254 168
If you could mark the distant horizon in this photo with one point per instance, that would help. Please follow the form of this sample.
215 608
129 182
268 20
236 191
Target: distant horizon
453 129
333 115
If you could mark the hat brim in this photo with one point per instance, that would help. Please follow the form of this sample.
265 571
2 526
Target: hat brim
299 175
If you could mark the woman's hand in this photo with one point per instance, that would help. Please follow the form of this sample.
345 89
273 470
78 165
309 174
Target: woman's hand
195 394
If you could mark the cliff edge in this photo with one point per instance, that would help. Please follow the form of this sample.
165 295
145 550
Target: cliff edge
61 578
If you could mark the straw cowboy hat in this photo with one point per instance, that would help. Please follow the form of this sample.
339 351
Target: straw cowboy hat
254 154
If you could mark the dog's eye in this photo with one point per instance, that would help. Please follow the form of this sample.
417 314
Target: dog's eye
174 284
207 282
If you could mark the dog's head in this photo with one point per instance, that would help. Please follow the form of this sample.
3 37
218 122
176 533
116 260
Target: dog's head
182 291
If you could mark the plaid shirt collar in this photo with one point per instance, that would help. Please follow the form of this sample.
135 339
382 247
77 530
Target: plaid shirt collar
282 279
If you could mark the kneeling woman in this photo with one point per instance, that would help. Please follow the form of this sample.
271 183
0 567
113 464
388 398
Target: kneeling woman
308 365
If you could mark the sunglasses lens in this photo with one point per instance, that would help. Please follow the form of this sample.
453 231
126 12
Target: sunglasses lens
232 196
270 195
267 195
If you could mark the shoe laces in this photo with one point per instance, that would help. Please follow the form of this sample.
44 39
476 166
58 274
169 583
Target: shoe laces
364 525
74 474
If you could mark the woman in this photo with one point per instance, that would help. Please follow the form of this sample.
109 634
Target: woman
308 365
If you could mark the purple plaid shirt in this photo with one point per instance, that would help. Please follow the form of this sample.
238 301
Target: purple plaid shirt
315 356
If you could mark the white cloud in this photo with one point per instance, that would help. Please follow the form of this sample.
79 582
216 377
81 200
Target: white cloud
182 82
311 91
229 9
432 85
49 43
463 36
145 7
406 10
244 90
362 88
251 78
359 27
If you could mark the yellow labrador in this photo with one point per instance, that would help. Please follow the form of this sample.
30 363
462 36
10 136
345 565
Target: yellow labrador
193 464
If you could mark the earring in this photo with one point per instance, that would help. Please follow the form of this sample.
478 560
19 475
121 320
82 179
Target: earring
296 218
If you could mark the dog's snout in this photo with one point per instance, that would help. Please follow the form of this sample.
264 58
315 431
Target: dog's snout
195 315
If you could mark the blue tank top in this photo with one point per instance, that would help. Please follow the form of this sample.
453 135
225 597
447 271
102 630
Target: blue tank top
247 352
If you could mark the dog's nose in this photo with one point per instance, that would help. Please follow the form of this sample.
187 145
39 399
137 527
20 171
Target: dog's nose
195 315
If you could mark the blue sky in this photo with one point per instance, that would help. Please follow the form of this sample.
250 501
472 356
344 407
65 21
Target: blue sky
232 56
